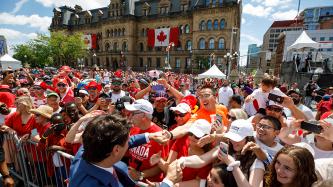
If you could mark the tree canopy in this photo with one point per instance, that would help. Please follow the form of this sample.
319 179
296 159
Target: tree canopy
51 50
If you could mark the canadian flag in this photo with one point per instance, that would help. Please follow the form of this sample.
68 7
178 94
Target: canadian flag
90 41
163 37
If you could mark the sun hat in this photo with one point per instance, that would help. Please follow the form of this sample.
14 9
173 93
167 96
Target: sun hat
200 128
141 105
239 129
43 110
182 108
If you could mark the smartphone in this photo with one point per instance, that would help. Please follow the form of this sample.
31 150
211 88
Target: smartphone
275 98
158 87
311 127
224 148
76 92
219 118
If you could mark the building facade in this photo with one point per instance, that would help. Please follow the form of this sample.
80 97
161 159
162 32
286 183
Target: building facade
270 41
313 17
205 27
253 53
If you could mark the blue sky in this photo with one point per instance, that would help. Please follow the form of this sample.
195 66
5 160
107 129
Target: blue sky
20 20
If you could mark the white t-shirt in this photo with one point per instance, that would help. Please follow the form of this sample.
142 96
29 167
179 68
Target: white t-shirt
262 97
257 164
115 97
306 110
106 77
224 95
325 167
270 150
320 153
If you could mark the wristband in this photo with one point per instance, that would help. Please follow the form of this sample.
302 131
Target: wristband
232 165
171 135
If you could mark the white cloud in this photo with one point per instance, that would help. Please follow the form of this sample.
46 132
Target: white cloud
35 21
272 3
259 10
243 20
251 38
18 6
86 4
284 15
15 37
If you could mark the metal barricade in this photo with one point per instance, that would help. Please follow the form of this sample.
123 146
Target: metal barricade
33 165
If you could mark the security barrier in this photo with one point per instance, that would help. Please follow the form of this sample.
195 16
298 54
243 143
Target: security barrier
34 165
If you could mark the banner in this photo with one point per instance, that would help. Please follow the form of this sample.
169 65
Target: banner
163 37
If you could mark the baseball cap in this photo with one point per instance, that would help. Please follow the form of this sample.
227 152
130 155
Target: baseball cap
83 92
272 103
52 94
182 108
239 129
200 127
141 105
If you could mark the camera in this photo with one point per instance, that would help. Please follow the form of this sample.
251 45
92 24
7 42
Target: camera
120 102
4 110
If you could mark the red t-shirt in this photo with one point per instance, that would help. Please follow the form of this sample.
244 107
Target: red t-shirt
181 147
133 91
140 156
325 115
14 121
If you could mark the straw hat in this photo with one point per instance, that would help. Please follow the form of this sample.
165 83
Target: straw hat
43 110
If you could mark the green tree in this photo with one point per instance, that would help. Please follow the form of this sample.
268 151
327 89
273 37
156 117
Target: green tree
202 61
24 53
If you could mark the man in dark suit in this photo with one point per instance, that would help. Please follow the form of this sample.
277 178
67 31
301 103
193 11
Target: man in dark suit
105 141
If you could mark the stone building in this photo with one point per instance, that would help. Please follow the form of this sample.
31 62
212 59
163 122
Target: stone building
205 27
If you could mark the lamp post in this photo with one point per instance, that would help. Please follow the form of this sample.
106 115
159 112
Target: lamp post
94 56
233 31
191 63
168 50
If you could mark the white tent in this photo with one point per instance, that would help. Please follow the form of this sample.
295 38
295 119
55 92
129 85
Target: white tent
8 61
213 72
303 41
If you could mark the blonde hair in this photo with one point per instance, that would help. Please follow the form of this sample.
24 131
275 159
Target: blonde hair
26 101
238 113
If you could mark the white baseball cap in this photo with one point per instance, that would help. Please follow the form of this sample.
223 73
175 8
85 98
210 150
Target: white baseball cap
200 127
239 129
141 105
182 108
83 92
270 103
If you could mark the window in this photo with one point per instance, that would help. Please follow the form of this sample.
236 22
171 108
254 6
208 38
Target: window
211 43
213 3
180 29
188 63
107 47
141 62
209 25
184 7
188 45
158 62
329 49
108 33
141 47
115 46
202 25
202 43
119 32
124 46
187 29
221 43
222 24
149 62
177 62
220 2
314 38
216 24
330 39
207 2
322 38
123 32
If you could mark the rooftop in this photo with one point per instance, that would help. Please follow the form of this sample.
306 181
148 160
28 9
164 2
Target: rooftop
287 23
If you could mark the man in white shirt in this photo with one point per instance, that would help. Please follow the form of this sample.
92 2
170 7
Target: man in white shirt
225 92
297 97
117 93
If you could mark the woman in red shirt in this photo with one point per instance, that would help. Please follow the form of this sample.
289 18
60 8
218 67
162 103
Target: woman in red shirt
187 146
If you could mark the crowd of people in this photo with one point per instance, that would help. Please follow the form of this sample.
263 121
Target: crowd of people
164 129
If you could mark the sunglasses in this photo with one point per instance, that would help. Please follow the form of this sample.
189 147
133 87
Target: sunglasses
92 88
275 109
191 134
61 85
179 115
116 83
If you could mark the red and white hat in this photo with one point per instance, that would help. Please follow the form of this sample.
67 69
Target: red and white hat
182 108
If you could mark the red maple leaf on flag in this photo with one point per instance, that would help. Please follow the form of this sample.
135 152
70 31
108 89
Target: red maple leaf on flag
161 37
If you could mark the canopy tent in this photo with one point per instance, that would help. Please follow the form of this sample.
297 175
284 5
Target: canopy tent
213 72
7 61
302 42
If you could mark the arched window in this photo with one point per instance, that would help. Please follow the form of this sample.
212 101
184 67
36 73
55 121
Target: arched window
202 43
123 32
202 25
115 46
180 29
187 29
119 32
124 46
221 43
111 33
189 45
216 24
107 33
107 47
209 25
211 43
222 24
